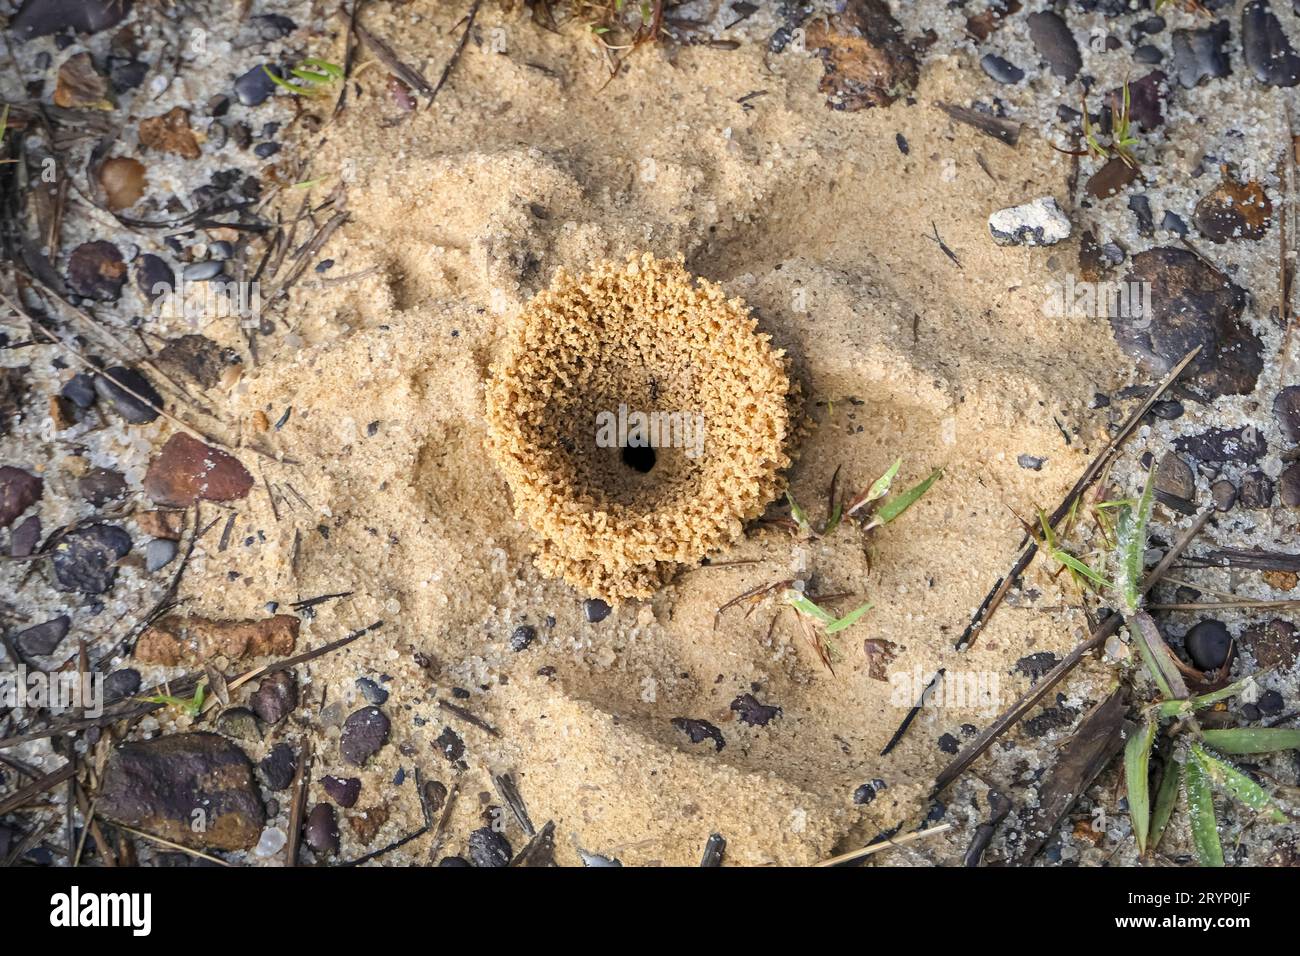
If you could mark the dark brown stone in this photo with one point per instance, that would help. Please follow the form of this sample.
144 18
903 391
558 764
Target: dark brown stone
195 789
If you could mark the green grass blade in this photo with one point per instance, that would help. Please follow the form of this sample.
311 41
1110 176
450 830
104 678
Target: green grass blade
1253 740
1137 776
1179 708
895 506
1238 784
1200 805
1132 544
1078 567
1156 656
880 487
802 604
848 619
799 515
1166 798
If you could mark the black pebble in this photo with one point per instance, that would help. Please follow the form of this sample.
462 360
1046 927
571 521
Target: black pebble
1172 222
371 691
80 390
522 636
1270 702
255 86
42 639
322 830
128 406
1148 54
85 559
1003 71
1207 644
489 848
342 790
595 610
121 684
279 767
1265 47
453 861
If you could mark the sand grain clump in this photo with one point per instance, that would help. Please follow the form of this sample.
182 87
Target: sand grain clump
644 336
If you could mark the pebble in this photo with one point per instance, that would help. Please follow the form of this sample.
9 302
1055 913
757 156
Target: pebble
1288 485
342 790
40 18
109 387
1148 54
159 553
1224 494
85 559
96 271
371 691
1172 222
240 723
255 86
522 636
1031 462
271 842
279 767
1054 41
19 490
1233 210
1207 644
1199 54
450 744
595 610
1174 477
266 150
1256 491
121 684
1270 702
1266 49
1275 643
699 731
364 733
202 271
80 390
322 830
453 861
163 785
1003 71
1191 305
99 486
753 713
276 697
25 537
487 847
43 639
187 471
1040 222
1243 445
1286 411
154 277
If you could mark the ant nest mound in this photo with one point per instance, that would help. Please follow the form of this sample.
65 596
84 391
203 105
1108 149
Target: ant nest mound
640 420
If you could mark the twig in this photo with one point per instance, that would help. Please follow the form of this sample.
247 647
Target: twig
1008 718
885 845
1029 546
163 841
460 48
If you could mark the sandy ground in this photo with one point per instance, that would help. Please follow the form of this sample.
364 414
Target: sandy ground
829 230
463 212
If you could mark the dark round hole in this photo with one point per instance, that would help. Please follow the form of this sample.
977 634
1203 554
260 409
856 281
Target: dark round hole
640 459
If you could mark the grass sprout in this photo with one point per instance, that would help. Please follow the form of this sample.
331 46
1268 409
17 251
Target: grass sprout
1190 751
314 75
